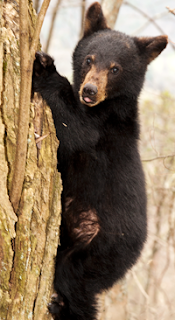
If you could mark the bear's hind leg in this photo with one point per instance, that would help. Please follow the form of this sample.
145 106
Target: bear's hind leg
74 298
75 309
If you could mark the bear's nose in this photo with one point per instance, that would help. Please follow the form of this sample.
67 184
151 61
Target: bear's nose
90 89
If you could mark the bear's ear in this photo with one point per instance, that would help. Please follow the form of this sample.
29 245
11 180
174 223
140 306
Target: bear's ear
94 20
151 47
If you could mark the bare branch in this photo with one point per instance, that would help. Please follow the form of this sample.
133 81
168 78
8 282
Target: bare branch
39 23
54 13
150 19
157 16
171 10
159 157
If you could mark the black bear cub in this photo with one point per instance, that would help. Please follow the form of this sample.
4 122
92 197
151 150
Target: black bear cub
103 225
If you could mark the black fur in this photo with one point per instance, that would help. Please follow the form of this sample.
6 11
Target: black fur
103 202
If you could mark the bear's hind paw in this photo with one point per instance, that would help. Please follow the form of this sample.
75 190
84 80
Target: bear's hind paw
56 304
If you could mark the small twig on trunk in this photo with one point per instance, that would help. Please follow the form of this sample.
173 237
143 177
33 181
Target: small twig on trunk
26 64
41 138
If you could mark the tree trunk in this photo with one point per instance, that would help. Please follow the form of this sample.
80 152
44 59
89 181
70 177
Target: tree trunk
28 239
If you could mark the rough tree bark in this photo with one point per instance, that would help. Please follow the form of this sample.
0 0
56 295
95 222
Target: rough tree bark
28 240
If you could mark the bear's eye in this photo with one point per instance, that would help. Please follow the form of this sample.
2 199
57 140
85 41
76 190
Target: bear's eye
114 69
88 61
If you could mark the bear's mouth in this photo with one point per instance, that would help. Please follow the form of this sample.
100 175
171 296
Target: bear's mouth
88 101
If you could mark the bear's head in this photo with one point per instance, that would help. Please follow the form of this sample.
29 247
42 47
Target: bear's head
109 63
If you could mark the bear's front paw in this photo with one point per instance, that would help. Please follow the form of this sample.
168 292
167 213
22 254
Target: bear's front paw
43 65
43 68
